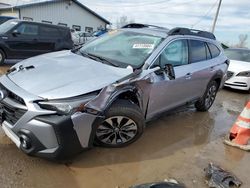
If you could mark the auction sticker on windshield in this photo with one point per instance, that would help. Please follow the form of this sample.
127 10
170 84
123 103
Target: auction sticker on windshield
143 46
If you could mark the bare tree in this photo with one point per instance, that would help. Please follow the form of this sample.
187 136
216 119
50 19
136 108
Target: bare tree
242 41
123 20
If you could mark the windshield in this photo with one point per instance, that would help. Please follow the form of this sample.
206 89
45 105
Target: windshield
238 54
6 26
123 47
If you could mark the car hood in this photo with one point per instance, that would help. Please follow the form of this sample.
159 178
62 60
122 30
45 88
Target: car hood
64 74
238 66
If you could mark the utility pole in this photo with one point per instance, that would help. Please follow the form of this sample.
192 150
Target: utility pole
216 16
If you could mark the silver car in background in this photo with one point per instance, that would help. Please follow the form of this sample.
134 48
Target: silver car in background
58 104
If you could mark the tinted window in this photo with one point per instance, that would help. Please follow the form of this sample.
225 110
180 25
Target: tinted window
176 53
197 51
2 20
7 26
214 50
49 31
28 29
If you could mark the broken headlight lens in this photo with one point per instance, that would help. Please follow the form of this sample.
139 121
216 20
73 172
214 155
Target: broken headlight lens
60 108
68 106
244 74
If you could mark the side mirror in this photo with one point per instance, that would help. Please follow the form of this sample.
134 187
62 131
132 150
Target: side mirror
15 33
169 69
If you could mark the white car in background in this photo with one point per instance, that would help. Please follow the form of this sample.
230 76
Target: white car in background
238 74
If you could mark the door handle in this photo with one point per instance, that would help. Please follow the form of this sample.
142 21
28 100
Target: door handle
188 75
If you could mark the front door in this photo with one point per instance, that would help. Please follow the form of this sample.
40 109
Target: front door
23 42
165 93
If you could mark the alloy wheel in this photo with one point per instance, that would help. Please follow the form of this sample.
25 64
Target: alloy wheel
116 130
211 94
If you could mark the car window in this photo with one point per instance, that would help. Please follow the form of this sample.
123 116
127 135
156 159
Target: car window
27 29
197 51
49 31
214 50
7 26
176 53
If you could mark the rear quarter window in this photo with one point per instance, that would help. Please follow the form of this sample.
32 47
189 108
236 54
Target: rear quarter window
197 51
215 51
65 33
49 32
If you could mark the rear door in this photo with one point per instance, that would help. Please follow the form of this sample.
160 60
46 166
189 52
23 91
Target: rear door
49 36
165 93
203 65
23 44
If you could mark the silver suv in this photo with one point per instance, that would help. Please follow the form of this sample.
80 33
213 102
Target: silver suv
58 104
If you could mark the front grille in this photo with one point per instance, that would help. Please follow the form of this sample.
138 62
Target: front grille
11 114
229 74
13 96
16 98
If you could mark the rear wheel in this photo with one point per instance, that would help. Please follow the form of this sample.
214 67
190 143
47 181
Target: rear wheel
2 57
123 125
208 98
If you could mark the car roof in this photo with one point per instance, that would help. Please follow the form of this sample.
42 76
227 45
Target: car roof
46 24
165 32
149 31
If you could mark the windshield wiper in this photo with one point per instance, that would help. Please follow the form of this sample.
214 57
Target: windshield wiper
98 58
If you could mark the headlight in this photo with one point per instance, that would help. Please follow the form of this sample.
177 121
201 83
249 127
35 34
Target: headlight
245 74
60 108
68 106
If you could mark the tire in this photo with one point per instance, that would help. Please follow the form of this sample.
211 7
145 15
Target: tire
2 57
208 98
123 125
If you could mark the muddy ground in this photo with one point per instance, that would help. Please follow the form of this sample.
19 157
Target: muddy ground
178 145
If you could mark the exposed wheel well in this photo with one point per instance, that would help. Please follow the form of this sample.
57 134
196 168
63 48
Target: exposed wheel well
218 81
131 96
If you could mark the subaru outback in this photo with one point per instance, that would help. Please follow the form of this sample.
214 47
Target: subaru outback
58 104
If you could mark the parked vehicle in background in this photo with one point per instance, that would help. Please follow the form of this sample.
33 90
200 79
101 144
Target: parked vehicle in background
99 32
5 19
23 39
57 104
238 74
79 37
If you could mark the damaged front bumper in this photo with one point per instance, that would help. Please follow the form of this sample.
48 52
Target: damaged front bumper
42 132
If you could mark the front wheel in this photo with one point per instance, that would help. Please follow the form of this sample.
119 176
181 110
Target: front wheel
123 125
208 98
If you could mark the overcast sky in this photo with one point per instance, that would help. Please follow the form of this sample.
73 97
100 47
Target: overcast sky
234 18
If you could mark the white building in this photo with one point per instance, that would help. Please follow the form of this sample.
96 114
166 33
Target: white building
70 13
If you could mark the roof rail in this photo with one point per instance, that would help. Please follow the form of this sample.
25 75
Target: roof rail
187 31
139 25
